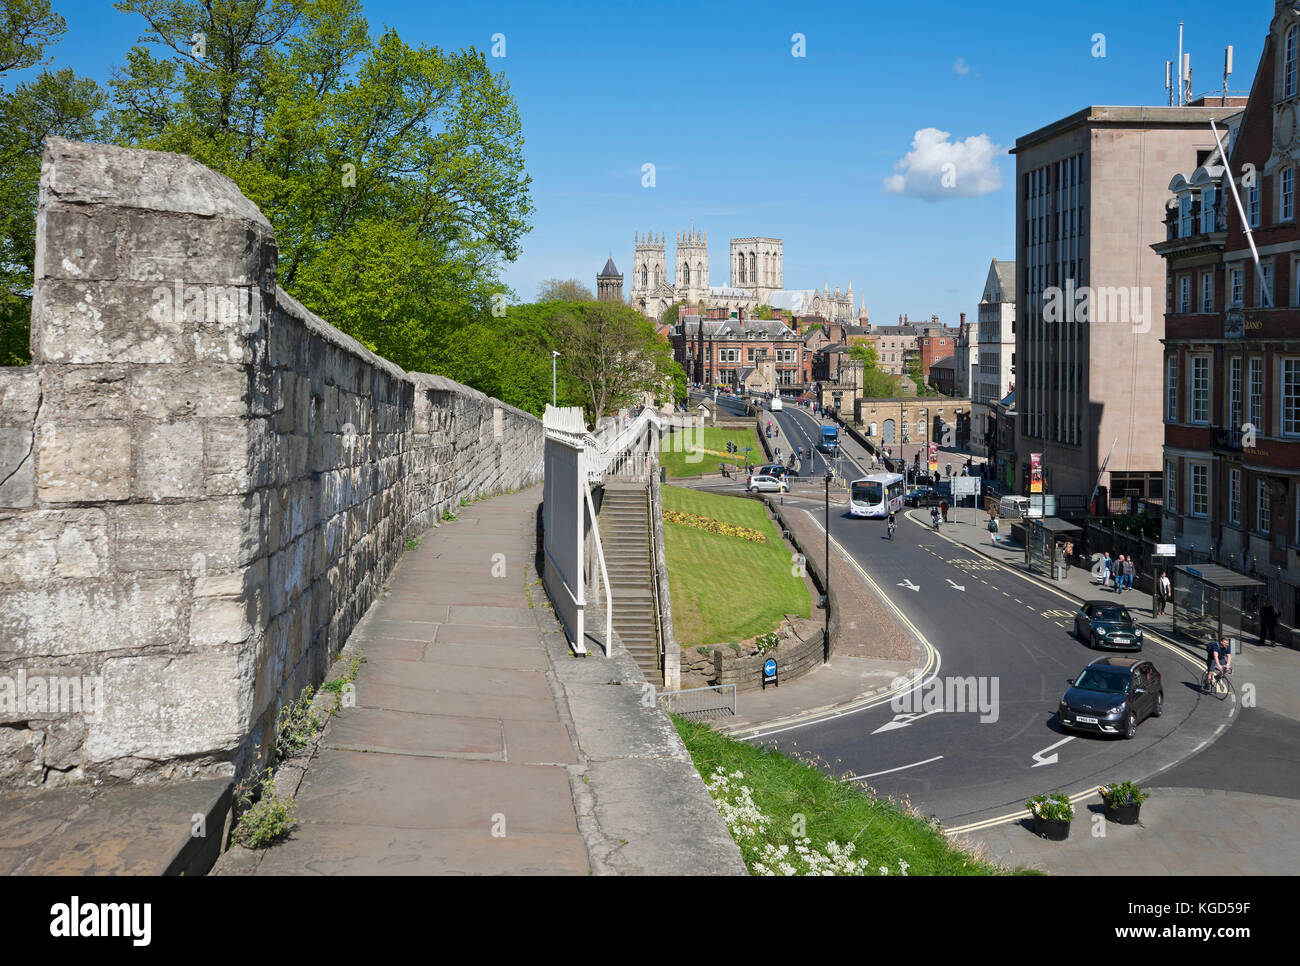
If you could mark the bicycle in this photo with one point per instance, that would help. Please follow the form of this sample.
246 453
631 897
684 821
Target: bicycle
1214 682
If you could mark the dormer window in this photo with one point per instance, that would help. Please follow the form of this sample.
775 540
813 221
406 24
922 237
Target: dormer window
1185 215
1207 210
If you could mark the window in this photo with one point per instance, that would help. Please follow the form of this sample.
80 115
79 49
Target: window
1200 389
1200 490
1184 215
1252 205
1265 297
1263 514
1185 294
1286 194
1234 393
1207 210
1289 64
749 355
1207 292
1291 397
1171 389
1255 382
1234 496
1234 286
1171 486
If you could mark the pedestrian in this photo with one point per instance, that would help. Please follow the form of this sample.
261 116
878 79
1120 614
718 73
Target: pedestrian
943 510
1268 624
1106 564
1128 572
1163 593
993 526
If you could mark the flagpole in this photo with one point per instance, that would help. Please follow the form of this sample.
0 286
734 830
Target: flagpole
1102 472
1245 222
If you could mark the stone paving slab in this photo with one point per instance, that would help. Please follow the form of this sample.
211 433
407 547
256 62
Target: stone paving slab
407 733
420 701
402 791
485 655
341 849
506 682
113 830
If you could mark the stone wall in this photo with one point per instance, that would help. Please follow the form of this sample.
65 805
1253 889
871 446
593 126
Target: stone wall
202 485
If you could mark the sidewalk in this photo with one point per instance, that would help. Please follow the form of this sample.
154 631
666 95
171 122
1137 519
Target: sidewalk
480 745
1172 837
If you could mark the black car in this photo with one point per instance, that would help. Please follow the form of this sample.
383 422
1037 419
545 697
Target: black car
1112 696
1107 624
922 496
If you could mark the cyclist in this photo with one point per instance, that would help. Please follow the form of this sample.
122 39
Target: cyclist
934 516
1212 661
891 523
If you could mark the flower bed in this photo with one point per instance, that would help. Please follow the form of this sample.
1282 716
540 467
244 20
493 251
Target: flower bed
710 525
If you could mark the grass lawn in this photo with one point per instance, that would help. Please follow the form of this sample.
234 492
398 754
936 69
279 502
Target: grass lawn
708 448
784 789
723 588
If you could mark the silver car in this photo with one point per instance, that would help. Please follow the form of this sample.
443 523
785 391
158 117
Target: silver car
767 484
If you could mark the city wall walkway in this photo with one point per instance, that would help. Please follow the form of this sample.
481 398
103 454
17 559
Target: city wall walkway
480 745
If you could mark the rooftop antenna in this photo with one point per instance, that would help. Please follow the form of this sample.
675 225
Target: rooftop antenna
1187 77
1180 63
1169 81
1227 72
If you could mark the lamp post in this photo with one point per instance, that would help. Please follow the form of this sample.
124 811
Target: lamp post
554 355
826 605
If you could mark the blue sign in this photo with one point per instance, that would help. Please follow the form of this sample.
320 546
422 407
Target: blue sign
769 673
770 667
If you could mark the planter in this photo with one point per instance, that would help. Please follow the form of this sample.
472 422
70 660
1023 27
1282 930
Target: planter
1123 814
1051 829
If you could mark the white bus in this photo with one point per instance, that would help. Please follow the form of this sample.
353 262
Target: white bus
875 495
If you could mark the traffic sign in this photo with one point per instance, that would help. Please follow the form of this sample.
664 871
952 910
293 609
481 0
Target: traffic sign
1166 550
770 673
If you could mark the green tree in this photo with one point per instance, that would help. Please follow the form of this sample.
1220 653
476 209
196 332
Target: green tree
53 103
393 175
614 355
669 315
917 376
876 383
564 290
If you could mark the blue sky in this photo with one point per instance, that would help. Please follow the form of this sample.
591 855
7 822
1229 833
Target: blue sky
748 139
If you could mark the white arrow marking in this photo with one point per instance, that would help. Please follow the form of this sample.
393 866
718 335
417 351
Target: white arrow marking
1050 759
908 584
887 771
903 720
961 587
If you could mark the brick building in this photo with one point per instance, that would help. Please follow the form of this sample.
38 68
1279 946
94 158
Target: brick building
715 351
1231 387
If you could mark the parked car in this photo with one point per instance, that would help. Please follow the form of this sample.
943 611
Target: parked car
1107 624
765 483
1112 695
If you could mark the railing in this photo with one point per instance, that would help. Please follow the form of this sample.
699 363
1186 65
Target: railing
616 440
695 704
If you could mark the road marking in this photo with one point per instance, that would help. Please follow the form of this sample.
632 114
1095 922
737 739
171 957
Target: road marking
908 584
1013 817
1050 759
903 720
887 771
961 587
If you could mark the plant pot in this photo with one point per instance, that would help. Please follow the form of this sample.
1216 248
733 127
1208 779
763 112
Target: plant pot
1123 814
1051 829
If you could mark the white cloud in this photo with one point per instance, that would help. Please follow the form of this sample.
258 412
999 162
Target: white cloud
961 67
938 168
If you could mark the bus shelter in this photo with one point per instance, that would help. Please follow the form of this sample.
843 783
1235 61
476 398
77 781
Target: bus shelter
1208 601
1045 545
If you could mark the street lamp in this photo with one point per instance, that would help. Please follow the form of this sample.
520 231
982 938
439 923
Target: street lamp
826 604
554 355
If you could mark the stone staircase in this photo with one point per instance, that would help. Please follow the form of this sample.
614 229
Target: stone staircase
625 537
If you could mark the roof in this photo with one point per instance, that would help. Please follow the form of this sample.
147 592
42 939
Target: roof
1130 117
610 268
947 362
1054 524
1218 576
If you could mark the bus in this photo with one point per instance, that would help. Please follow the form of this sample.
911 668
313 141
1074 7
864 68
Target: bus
876 495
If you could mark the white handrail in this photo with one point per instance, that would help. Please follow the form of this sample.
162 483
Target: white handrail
604 574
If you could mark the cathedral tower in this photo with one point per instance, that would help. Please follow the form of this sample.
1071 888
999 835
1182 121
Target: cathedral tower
609 283
649 273
692 279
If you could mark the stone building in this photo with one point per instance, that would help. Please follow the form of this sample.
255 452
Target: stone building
994 367
757 264
715 351
609 283
1090 201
